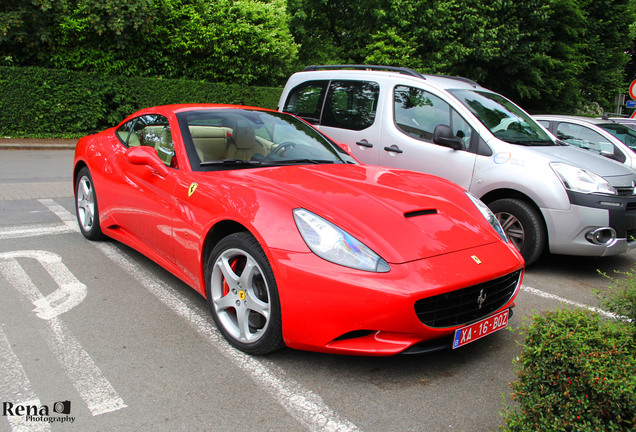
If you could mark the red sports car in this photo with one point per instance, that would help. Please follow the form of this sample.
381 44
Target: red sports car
290 239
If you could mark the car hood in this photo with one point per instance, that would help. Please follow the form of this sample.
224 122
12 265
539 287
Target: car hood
614 172
401 215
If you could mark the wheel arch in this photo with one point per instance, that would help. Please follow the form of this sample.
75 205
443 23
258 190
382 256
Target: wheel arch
216 233
76 169
497 194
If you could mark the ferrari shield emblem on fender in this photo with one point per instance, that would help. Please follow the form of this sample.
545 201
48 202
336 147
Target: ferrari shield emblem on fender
477 260
193 187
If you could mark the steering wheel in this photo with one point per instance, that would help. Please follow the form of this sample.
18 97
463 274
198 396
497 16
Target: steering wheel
282 147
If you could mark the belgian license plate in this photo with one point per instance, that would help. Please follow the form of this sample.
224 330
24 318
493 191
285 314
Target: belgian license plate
472 332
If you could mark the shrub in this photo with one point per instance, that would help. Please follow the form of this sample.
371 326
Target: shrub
620 297
38 102
576 373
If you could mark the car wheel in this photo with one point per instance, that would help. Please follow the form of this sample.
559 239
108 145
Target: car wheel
242 295
523 225
86 206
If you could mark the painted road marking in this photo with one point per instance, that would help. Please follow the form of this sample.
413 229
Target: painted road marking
15 386
94 389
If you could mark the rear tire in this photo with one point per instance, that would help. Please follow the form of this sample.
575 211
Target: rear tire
86 206
523 225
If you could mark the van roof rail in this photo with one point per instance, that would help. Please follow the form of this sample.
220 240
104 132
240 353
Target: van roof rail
402 70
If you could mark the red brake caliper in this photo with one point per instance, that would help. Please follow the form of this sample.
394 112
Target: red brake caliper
226 287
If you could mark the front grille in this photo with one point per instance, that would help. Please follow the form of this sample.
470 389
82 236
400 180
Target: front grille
624 191
463 306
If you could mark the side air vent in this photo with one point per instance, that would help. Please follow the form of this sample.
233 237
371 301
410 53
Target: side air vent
420 213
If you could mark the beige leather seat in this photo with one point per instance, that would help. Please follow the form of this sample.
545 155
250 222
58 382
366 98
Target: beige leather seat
244 144
210 142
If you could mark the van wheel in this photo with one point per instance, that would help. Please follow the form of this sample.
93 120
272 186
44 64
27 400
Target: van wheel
523 225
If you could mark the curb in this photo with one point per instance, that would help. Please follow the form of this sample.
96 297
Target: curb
36 144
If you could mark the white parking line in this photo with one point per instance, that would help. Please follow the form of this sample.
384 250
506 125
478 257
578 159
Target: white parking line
16 387
98 394
570 302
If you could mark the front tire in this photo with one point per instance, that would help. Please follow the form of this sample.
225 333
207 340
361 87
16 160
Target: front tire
523 225
243 296
86 206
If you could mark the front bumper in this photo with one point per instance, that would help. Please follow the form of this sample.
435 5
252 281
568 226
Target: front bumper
569 231
330 308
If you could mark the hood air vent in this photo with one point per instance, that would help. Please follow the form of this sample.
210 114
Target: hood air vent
420 213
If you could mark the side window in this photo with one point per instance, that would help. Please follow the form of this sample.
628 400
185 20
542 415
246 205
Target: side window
417 113
150 130
305 100
124 134
351 104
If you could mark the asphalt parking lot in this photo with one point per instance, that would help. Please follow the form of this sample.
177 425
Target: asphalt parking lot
130 347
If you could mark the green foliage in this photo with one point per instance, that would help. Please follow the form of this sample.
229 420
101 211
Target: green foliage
49 103
576 373
620 297
234 41
547 55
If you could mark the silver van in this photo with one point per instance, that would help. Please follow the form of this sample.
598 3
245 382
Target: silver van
547 195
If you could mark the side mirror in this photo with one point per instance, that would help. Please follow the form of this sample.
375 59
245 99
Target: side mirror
609 155
345 147
144 155
443 135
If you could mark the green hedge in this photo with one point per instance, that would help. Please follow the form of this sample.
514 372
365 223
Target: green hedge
37 102
577 372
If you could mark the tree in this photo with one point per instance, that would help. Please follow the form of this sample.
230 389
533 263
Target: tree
244 41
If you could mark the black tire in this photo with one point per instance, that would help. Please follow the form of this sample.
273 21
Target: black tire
523 225
245 306
86 207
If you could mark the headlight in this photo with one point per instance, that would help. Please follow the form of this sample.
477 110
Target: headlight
580 180
335 245
489 215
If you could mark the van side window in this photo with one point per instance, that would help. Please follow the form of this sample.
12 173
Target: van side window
351 104
305 100
417 113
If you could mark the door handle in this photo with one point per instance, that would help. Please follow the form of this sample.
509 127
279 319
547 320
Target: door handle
364 143
394 149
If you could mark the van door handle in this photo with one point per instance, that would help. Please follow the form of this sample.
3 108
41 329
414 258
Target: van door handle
394 149
364 143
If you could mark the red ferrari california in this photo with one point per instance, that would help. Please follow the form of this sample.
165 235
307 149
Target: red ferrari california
291 240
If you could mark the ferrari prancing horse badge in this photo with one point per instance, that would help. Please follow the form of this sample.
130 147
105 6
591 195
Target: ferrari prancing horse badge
193 187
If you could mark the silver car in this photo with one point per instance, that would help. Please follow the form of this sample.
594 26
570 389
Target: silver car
547 195
605 137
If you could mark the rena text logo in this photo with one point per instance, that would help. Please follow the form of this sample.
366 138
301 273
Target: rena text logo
39 413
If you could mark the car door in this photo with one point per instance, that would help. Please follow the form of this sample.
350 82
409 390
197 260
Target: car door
348 111
408 138
145 197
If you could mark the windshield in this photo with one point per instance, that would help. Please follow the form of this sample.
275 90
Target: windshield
220 138
504 119
623 133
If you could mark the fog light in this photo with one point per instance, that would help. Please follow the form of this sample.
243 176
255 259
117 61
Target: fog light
602 236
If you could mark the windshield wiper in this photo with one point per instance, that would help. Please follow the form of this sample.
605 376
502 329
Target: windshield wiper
305 160
529 143
235 162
